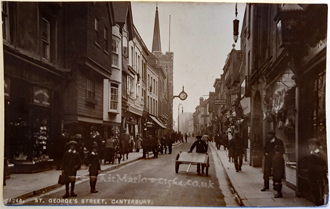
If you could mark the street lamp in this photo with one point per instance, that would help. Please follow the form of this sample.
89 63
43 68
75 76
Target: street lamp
236 24
179 115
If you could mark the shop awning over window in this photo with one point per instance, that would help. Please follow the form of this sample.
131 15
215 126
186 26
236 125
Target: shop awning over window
157 121
245 102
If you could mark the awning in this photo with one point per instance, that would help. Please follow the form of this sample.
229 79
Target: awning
157 121
245 102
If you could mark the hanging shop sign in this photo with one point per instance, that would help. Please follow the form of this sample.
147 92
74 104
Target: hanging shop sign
220 101
7 88
234 90
245 103
41 96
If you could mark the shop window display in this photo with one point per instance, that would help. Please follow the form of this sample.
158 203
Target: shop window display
319 129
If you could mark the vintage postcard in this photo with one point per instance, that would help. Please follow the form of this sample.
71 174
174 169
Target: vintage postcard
184 104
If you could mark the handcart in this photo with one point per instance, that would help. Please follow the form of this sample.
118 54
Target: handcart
192 159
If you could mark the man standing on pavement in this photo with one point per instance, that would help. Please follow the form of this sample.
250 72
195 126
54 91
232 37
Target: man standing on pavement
238 150
201 147
269 152
218 141
317 171
186 137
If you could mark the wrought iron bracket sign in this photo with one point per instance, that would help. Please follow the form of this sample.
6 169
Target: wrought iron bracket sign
183 95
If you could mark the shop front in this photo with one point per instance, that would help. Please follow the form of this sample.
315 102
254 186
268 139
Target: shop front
280 115
311 119
32 124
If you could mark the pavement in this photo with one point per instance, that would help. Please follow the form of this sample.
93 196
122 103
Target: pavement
149 182
249 182
23 186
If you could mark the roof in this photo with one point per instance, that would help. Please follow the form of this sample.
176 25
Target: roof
120 11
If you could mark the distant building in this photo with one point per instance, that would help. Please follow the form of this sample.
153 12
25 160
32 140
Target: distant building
166 62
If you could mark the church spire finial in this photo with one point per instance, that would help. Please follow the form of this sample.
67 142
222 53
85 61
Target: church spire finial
156 43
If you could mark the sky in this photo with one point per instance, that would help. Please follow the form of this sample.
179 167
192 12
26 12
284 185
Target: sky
201 38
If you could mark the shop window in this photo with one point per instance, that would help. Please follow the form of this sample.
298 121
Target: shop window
5 21
45 34
114 97
319 123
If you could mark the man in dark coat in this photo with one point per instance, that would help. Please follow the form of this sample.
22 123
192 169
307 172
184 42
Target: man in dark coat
201 147
278 171
169 142
317 170
70 164
124 144
238 150
269 153
218 141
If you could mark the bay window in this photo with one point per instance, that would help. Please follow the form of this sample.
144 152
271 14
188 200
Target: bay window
113 106
115 52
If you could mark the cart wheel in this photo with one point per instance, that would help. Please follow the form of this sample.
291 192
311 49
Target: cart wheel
207 166
177 164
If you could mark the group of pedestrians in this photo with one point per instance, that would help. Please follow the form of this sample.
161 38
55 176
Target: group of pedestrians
93 152
274 164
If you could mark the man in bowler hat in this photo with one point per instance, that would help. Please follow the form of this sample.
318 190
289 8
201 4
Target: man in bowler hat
269 152
201 147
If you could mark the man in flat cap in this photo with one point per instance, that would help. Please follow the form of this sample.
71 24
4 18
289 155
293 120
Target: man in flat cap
317 170
269 152
201 147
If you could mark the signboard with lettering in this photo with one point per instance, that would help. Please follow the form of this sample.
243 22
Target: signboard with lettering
41 96
220 102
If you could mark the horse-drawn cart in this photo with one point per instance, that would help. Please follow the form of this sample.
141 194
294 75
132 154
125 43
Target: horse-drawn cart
192 159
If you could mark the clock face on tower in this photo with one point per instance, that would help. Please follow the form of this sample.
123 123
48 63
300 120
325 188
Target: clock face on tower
183 95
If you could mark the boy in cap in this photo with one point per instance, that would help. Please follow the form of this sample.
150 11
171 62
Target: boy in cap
201 147
70 164
93 160
317 170
269 152
278 171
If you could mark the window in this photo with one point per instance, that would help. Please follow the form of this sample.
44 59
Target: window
130 86
156 87
5 21
45 34
90 90
132 51
114 97
153 89
115 52
138 64
96 27
125 48
105 36
156 113
148 103
135 66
